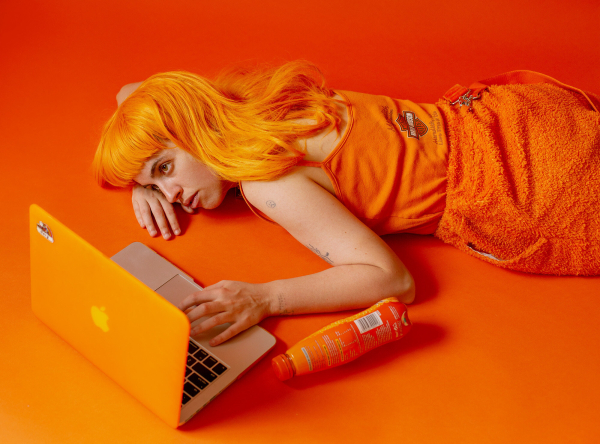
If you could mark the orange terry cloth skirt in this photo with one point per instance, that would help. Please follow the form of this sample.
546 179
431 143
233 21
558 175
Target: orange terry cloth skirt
524 177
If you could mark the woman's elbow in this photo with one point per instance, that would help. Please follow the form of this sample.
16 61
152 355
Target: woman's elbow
405 288
126 92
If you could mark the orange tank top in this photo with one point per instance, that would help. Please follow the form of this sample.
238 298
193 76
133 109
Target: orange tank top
389 169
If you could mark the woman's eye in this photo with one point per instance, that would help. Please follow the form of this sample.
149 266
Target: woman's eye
165 167
155 188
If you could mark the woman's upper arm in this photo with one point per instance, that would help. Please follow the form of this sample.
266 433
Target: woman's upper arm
320 222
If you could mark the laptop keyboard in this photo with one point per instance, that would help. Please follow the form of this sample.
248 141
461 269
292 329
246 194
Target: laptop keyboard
202 370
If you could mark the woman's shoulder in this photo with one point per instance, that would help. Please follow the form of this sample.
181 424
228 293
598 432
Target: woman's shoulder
286 186
281 193
319 146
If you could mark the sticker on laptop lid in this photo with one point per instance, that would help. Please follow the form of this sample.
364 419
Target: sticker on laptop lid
43 229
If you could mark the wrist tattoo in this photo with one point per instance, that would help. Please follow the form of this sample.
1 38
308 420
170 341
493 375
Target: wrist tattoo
325 256
282 309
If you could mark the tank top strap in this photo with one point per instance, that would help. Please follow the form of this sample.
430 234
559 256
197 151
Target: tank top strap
255 210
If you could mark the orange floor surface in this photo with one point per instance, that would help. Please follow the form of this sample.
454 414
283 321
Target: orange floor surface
494 356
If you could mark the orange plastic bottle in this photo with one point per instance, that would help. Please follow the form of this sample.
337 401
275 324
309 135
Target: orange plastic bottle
345 340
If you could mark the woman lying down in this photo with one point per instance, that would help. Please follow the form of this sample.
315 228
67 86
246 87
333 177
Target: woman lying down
507 170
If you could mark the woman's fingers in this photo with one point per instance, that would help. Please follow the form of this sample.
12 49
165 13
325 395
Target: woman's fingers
138 214
159 216
240 303
233 330
169 212
205 309
213 321
196 298
146 216
141 198
215 286
199 297
219 319
153 210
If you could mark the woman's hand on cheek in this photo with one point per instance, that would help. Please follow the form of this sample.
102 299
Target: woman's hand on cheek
239 303
150 206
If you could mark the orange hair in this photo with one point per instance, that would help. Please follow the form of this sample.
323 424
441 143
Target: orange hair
242 125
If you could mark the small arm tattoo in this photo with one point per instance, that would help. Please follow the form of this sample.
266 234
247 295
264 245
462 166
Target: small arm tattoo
282 309
325 256
271 204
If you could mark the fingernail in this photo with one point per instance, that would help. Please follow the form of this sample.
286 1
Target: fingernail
152 232
167 235
178 232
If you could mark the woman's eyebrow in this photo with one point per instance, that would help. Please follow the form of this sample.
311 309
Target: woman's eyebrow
153 167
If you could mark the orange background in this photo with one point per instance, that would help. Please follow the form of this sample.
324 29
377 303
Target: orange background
494 356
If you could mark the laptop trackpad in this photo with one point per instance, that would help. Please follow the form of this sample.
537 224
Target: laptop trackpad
176 290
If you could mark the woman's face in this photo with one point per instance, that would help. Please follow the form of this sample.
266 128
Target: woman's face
182 178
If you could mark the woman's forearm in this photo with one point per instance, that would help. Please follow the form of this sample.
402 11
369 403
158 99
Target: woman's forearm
343 287
339 288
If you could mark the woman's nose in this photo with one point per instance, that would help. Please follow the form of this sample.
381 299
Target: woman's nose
172 193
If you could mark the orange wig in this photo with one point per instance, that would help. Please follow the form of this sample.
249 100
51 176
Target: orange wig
242 125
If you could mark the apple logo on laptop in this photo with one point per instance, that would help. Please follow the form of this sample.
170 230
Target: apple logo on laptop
100 318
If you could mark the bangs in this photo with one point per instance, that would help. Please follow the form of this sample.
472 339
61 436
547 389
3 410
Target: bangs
132 136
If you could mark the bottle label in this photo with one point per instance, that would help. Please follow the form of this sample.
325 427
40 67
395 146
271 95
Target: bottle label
369 322
308 360
347 339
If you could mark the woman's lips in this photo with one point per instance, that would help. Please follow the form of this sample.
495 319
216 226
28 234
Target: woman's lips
194 203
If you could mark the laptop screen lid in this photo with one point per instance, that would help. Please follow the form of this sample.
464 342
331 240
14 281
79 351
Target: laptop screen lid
109 316
234 357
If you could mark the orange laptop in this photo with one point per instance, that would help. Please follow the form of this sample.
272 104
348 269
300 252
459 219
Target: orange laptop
121 314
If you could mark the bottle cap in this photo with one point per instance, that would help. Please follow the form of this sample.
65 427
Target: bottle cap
282 368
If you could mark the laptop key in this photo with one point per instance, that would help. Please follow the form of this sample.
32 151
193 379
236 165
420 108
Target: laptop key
200 354
190 389
219 368
198 381
190 360
192 348
185 399
204 372
209 362
188 371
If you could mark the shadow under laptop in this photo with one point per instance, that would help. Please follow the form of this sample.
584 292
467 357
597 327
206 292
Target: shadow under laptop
257 390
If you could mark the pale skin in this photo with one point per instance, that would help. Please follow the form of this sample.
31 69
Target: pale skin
365 269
